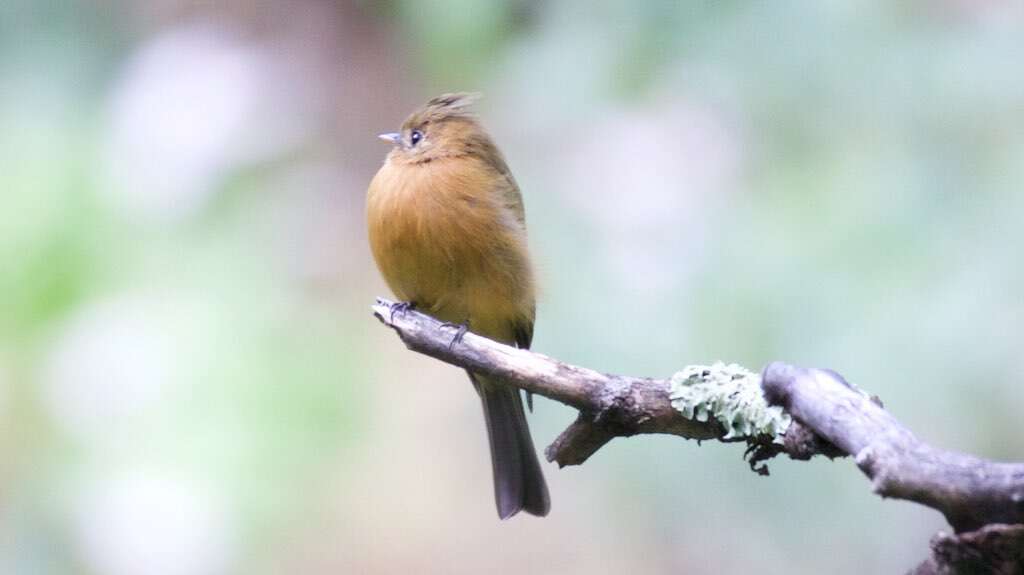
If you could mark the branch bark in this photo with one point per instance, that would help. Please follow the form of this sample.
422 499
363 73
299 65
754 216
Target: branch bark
610 405
969 491
982 500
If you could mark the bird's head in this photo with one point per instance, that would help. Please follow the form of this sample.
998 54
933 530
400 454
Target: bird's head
443 127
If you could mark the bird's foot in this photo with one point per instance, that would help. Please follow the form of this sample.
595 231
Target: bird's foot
460 332
400 307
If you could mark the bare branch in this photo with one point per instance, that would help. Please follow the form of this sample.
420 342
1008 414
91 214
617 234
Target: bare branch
969 491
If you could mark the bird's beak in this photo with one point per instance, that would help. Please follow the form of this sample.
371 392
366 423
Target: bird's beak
393 137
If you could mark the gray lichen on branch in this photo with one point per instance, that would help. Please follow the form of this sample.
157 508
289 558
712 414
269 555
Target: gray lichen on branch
731 394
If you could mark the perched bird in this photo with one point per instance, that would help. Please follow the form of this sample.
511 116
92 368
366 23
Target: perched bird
448 232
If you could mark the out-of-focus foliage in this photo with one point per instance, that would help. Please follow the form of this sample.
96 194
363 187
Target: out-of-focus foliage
190 379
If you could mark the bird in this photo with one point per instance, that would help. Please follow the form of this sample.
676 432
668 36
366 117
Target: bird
447 229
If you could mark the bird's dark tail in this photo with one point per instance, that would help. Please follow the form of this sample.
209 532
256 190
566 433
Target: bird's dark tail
518 481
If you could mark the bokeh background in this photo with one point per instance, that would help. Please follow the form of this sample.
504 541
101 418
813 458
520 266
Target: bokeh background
191 382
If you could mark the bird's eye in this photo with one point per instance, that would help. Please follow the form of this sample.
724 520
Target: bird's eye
415 137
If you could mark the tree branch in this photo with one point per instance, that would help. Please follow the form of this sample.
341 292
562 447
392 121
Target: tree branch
969 491
981 499
610 405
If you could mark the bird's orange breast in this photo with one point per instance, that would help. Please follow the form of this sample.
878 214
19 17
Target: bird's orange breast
444 239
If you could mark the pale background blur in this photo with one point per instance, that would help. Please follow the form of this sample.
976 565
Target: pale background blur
191 382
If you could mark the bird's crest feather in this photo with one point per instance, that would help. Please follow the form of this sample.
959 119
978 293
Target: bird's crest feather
443 107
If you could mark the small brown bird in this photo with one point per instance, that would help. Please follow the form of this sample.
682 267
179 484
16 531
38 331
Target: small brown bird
448 232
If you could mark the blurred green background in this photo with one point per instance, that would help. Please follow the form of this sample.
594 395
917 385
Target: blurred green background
191 382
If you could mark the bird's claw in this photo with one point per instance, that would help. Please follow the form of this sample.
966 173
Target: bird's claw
460 332
400 307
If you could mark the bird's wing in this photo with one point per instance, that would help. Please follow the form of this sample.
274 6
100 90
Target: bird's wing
512 200
523 330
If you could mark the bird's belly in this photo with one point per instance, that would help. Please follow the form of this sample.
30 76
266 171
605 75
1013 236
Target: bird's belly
452 278
425 275
458 256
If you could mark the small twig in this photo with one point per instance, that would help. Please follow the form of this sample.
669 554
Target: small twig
578 442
